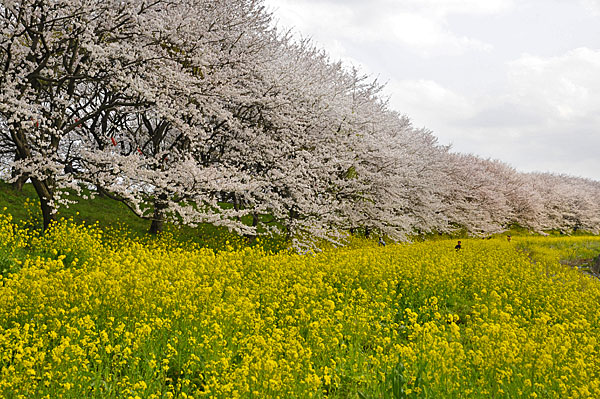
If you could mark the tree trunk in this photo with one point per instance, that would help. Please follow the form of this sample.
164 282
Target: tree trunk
293 214
44 188
158 218
236 206
252 237
101 192
45 193
18 184
157 224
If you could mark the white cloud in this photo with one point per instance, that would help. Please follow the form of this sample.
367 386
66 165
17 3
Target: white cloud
426 98
564 88
547 117
431 7
466 7
435 107
592 6
427 36
420 26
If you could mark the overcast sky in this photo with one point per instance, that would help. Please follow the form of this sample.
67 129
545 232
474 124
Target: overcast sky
515 80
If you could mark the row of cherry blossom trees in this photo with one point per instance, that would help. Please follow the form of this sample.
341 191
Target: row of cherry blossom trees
179 107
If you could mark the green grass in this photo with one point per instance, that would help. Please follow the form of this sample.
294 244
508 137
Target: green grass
106 212
110 215
578 251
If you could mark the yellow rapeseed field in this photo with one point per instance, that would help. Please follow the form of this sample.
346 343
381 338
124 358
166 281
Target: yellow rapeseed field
92 314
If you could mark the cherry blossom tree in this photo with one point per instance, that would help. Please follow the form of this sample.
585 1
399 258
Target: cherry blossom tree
77 74
567 203
174 107
476 196
57 57
205 49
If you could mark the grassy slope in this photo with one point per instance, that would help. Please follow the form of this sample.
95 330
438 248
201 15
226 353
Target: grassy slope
106 212
110 214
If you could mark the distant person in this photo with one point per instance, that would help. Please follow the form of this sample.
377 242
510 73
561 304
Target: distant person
381 242
458 246
508 238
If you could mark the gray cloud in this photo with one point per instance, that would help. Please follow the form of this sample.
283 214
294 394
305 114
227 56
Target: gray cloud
503 115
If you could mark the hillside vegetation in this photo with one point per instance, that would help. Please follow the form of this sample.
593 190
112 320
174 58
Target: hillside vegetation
92 313
113 215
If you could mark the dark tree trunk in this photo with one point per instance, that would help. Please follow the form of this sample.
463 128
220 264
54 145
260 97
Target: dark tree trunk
102 192
45 192
158 218
157 224
20 179
252 237
236 205
293 214
18 184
